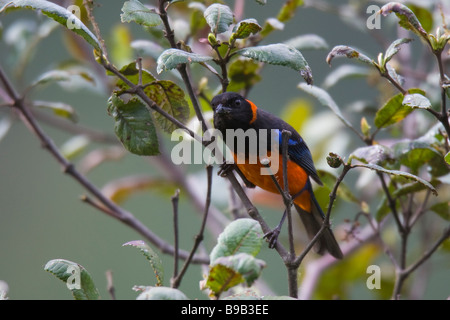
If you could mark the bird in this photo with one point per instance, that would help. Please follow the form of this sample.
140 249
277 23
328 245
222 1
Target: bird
233 111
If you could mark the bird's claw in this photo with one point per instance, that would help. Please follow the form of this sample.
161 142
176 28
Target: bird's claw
272 237
225 169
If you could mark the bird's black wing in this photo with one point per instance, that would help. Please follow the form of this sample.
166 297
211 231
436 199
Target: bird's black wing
298 151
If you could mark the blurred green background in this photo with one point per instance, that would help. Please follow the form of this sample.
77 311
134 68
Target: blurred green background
42 217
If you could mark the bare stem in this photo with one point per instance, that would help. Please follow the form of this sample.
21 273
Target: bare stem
176 280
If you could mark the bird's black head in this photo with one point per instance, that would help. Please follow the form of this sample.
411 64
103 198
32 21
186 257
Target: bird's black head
232 111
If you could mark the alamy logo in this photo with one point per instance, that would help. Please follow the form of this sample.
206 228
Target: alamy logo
374 20
74 22
74 280
248 146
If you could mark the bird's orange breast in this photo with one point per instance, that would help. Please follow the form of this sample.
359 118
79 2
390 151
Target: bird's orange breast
297 179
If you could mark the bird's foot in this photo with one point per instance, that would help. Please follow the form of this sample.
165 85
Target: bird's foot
225 169
272 237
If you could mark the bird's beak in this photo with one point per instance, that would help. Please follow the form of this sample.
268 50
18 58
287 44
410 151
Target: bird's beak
221 109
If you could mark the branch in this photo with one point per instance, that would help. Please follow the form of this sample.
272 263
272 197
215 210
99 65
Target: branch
68 168
199 237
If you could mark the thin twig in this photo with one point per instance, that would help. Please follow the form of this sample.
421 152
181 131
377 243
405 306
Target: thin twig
110 285
176 280
175 199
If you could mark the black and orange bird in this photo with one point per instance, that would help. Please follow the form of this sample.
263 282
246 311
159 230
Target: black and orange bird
232 111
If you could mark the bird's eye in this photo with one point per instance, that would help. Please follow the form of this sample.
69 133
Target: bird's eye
238 102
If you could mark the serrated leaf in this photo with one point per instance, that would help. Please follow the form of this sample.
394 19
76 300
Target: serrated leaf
134 126
240 236
307 42
170 98
394 48
76 277
171 58
135 11
227 272
58 108
350 53
161 293
219 17
408 19
245 28
152 257
398 173
59 14
393 111
279 54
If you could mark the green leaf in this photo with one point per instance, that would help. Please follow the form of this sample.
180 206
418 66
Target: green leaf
219 17
447 158
76 277
171 98
350 53
160 293
394 48
135 11
307 42
227 272
408 19
415 153
134 126
240 236
394 110
58 108
171 58
442 209
59 14
326 100
131 72
152 257
343 191
245 28
279 54
398 173
243 73
287 11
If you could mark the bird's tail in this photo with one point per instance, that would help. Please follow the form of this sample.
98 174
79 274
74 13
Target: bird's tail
313 221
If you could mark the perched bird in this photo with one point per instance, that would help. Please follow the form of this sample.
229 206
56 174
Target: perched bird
232 111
